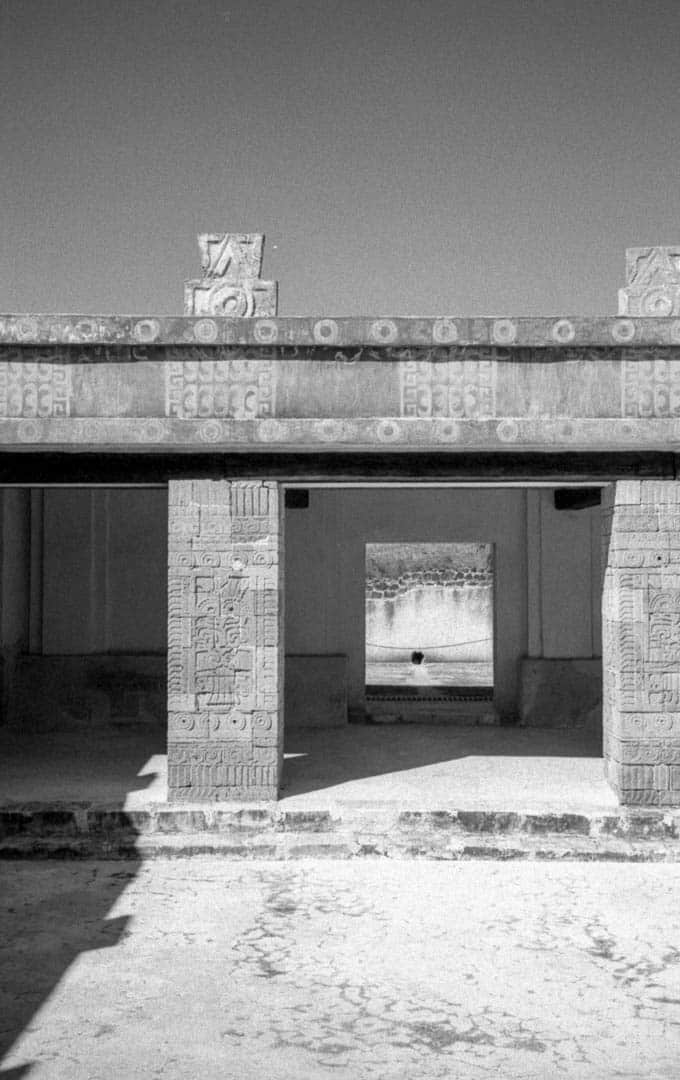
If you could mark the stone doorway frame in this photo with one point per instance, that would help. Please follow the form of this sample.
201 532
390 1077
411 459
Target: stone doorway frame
226 605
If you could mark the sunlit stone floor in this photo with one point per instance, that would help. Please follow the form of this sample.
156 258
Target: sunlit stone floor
413 766
351 970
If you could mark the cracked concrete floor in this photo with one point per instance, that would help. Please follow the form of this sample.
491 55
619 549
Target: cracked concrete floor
370 969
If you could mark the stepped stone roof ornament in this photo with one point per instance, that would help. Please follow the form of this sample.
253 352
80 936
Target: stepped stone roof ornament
230 305
653 276
231 283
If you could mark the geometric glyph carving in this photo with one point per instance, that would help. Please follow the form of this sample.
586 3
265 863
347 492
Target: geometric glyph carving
224 635
219 386
231 284
35 389
447 388
650 384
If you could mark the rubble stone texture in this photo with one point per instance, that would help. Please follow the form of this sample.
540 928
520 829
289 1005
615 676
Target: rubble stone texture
641 640
396 569
225 662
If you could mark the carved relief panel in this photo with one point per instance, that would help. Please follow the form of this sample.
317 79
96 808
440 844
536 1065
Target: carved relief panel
438 386
224 638
650 383
641 639
34 388
219 384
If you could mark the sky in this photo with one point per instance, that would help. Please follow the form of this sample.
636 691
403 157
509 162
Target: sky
402 157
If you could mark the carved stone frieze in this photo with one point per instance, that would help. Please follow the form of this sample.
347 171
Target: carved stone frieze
356 332
650 383
455 388
34 387
224 638
233 386
273 395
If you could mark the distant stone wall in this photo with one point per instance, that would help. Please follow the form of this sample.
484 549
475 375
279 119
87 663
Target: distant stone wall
434 598
394 570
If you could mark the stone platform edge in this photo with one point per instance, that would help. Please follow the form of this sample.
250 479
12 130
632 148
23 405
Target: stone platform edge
81 830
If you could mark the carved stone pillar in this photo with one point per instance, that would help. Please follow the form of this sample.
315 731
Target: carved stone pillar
225 640
641 641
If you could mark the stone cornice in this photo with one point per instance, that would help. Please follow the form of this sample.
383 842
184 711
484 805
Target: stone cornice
357 331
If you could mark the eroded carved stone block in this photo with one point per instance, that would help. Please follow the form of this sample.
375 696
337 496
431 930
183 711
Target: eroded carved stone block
653 276
231 284
440 387
231 386
225 661
35 388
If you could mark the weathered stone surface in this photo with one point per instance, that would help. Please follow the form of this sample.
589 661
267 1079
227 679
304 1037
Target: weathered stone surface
359 331
230 396
316 691
560 693
653 275
350 832
231 284
225 670
641 641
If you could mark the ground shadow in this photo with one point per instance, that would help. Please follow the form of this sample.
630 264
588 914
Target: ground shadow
48 917
97 765
319 758
45 925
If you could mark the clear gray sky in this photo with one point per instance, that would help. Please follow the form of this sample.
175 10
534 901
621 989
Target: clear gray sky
402 156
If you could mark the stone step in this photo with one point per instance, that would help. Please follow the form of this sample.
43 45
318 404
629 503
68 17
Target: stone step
405 708
263 832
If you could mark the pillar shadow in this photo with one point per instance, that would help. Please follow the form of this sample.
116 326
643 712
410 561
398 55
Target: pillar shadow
319 758
54 910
